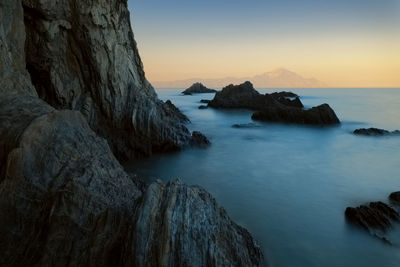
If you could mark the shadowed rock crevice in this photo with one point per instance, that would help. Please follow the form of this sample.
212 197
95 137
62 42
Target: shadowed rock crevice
83 56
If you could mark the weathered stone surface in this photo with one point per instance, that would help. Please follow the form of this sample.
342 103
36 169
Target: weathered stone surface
375 215
321 115
14 78
200 140
198 88
82 56
375 132
64 198
183 226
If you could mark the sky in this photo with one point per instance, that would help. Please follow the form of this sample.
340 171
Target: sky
344 43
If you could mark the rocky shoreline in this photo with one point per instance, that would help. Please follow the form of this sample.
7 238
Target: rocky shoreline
73 101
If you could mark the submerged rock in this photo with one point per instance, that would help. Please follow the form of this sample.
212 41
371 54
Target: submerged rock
246 125
321 115
375 215
200 140
276 107
203 107
198 88
205 101
375 132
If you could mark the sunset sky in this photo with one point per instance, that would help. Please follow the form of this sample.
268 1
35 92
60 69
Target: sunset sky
344 43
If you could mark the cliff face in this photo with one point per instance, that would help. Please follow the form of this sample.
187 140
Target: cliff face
82 56
64 198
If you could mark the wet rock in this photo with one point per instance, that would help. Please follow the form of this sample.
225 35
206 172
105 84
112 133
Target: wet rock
242 96
272 107
246 125
198 88
82 55
375 215
375 132
64 198
200 140
395 198
205 101
203 107
321 115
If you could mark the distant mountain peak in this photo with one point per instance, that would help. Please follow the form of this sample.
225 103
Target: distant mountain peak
277 78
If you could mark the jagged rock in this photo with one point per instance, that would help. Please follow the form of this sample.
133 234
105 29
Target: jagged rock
82 56
375 215
205 101
200 140
321 115
274 107
242 96
183 226
375 132
395 198
203 107
284 94
198 88
64 198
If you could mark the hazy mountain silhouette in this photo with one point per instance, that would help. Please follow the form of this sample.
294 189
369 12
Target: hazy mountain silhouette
279 78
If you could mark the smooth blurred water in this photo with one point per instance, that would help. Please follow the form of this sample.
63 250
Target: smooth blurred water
289 185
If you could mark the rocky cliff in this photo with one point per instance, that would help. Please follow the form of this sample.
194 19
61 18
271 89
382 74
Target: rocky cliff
82 56
64 198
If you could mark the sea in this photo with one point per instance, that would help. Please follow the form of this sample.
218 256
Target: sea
289 185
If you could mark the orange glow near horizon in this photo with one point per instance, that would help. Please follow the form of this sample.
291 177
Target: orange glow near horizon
336 62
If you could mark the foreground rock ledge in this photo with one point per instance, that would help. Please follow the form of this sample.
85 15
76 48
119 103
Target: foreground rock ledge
64 198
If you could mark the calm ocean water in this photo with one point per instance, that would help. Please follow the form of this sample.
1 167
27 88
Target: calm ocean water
289 185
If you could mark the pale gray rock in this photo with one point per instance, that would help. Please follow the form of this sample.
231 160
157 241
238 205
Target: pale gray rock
82 56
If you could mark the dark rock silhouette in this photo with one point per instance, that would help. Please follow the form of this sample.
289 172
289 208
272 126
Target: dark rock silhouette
198 88
200 140
375 132
395 198
205 101
375 215
321 115
246 125
272 107
64 197
203 107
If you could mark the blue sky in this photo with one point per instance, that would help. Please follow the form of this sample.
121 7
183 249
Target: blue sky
179 27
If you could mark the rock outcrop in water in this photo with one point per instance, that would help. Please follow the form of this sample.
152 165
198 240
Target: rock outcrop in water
276 107
198 88
64 197
375 217
375 132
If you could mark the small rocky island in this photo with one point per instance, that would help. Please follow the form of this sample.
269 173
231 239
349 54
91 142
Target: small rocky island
74 103
277 107
376 217
375 132
198 88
